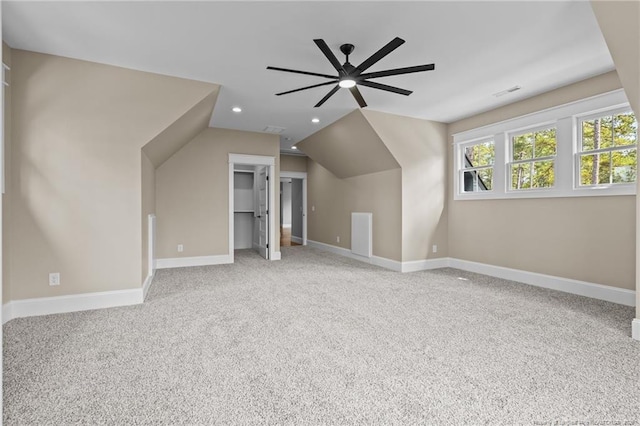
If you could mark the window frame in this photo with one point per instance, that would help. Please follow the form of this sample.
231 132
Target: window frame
565 118
579 152
532 160
476 168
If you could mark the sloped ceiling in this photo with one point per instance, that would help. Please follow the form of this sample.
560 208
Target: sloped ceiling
479 48
183 130
349 147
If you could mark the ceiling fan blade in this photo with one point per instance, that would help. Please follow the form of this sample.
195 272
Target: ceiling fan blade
358 96
397 71
330 56
305 88
304 72
327 96
385 87
384 51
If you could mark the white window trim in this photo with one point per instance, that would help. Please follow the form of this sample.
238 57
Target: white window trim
460 172
564 118
510 161
578 150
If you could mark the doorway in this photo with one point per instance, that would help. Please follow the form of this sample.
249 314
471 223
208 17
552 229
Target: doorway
293 208
251 204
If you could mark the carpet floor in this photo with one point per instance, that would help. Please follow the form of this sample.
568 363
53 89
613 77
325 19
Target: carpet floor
320 339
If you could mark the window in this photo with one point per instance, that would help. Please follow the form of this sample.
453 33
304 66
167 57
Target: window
583 148
607 150
478 166
532 159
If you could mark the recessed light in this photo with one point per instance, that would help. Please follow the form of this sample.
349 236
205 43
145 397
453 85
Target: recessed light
315 120
294 147
236 109
347 83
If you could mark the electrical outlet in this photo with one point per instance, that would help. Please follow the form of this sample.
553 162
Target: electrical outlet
54 278
180 248
338 239
435 248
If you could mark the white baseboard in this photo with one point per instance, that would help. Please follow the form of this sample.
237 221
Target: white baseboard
277 255
297 240
383 262
337 250
582 288
7 312
147 284
181 262
71 303
286 225
635 329
425 264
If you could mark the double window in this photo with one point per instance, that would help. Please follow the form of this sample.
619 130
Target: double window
584 148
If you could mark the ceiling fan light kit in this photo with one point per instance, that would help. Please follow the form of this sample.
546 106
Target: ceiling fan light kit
349 76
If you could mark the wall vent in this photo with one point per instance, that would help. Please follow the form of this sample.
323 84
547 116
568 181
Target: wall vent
274 129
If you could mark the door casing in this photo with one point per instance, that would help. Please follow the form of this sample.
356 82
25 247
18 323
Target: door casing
253 160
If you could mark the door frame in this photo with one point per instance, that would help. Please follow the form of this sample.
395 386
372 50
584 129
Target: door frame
255 160
303 176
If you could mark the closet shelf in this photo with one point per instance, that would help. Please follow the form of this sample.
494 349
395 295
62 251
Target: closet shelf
243 211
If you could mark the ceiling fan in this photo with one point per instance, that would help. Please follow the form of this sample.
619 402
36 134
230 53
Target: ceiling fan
349 77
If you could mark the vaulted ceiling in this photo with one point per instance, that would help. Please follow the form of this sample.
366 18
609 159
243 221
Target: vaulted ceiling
479 48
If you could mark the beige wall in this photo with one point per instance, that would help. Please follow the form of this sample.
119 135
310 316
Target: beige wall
575 238
6 198
192 191
180 132
420 147
349 147
619 22
293 163
334 199
78 128
148 194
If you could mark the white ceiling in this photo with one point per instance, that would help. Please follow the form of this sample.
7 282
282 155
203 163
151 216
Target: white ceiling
479 48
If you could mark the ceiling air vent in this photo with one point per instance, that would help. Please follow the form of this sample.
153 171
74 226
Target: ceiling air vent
274 129
509 90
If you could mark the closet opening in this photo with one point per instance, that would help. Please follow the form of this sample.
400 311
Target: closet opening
251 205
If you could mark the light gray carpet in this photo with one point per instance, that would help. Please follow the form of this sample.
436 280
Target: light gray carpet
321 339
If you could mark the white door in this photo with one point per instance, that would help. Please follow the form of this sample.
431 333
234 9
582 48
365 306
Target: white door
262 212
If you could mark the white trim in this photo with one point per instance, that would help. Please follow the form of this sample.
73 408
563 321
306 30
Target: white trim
582 288
303 176
382 262
151 244
261 160
296 240
182 262
277 255
7 312
426 264
567 285
564 118
71 303
549 115
635 329
147 284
